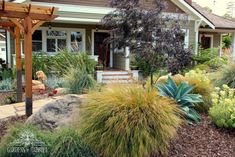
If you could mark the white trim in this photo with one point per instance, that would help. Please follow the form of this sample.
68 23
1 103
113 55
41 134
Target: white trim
76 20
194 11
9 48
19 1
207 35
221 45
186 38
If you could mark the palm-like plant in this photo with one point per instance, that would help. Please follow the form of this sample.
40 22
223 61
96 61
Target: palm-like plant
181 94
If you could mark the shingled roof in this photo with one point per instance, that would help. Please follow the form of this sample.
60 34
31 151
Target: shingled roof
218 21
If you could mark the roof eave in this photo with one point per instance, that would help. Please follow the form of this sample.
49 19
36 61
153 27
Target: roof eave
195 12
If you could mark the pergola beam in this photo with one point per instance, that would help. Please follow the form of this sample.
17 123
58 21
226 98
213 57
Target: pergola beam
23 15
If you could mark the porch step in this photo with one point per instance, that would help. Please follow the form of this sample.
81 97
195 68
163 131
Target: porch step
108 77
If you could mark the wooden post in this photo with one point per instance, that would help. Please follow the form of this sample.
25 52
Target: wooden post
18 65
28 64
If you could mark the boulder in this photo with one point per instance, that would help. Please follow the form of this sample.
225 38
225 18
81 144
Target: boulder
57 113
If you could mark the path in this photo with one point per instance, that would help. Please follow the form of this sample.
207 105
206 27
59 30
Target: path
18 109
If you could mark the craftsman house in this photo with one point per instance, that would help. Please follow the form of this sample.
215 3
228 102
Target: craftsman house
78 29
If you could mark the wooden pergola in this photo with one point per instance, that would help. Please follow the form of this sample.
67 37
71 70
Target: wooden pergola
25 18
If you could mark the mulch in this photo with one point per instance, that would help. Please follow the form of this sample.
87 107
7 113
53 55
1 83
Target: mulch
203 140
6 123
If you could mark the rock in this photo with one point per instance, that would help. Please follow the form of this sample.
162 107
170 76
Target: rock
56 114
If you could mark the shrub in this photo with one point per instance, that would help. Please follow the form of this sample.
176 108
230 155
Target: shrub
227 41
54 82
78 81
128 121
217 62
41 61
226 76
65 60
61 143
16 137
222 111
6 85
6 74
206 55
202 85
181 94
69 144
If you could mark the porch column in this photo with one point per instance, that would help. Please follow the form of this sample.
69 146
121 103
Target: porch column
197 26
111 57
233 45
221 45
127 58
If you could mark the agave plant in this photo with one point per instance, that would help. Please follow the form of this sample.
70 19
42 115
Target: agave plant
181 94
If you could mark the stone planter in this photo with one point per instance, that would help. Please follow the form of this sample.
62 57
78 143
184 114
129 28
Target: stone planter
7 94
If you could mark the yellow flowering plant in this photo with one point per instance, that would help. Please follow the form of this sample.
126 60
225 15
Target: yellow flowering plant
222 111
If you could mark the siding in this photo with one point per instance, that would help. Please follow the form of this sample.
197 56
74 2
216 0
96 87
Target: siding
171 7
118 61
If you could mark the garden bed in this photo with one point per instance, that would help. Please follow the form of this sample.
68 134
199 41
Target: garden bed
6 94
6 123
203 140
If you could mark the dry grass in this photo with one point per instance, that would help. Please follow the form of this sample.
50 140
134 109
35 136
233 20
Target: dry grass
128 121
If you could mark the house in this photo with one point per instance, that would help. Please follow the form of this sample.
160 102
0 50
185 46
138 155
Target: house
3 54
78 29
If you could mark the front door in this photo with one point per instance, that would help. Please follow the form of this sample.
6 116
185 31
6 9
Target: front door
206 42
102 49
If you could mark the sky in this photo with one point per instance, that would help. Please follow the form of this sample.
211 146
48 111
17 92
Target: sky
219 7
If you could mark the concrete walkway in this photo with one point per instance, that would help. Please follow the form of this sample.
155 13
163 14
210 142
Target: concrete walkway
18 109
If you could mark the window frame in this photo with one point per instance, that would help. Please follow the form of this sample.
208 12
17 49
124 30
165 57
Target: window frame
68 37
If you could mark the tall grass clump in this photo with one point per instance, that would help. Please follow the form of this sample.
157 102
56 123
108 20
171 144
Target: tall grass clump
78 81
68 143
66 60
226 76
128 121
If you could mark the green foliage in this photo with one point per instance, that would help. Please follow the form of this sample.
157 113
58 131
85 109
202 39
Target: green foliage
41 62
222 111
6 85
61 143
206 55
69 144
181 94
128 121
15 134
202 85
54 82
78 80
227 41
65 60
6 74
217 62
226 76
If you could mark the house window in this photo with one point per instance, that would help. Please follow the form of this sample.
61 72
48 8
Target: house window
3 49
37 41
76 41
56 40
